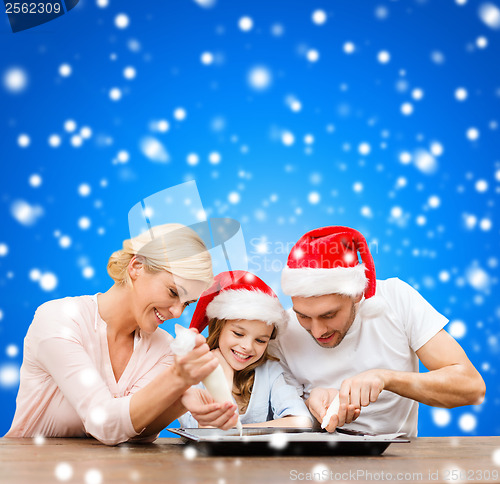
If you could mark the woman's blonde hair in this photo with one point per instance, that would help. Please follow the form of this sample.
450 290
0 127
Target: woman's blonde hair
243 379
170 247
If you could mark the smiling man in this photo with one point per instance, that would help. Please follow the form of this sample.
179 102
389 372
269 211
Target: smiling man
350 334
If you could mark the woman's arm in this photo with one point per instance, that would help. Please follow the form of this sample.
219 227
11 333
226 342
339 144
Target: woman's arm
152 404
114 420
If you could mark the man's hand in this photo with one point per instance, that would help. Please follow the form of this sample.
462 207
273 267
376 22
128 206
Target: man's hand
355 392
359 391
319 401
197 364
207 411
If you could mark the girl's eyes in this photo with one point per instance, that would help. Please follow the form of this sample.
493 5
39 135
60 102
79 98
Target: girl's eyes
239 335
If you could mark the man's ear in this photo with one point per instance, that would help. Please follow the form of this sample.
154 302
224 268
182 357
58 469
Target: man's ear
357 298
134 267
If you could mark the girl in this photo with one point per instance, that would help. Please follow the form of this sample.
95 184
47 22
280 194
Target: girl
243 314
100 366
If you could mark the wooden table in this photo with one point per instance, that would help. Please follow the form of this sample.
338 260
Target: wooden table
450 459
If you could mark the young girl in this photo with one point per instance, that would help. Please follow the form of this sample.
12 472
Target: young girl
243 314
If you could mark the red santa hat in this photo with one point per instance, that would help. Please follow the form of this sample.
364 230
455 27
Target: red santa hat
238 295
325 261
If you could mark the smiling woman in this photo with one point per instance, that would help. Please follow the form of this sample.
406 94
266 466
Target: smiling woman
100 366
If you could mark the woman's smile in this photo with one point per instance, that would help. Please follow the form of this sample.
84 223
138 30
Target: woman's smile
160 316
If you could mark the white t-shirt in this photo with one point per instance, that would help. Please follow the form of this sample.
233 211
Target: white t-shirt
387 342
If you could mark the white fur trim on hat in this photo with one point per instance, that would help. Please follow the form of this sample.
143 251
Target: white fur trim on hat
311 282
245 304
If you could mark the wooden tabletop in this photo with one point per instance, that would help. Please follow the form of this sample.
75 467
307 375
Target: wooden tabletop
424 460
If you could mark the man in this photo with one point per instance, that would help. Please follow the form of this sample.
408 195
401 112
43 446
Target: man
350 334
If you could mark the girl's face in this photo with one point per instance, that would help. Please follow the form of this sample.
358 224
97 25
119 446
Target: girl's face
156 297
243 342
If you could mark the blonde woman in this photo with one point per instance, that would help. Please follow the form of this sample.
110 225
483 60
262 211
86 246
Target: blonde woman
100 366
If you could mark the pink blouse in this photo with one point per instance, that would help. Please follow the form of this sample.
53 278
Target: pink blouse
67 386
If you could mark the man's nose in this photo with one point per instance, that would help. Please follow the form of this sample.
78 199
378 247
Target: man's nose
318 328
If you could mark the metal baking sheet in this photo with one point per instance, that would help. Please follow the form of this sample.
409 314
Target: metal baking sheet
287 441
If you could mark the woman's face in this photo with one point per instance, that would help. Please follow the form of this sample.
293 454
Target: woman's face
243 342
159 296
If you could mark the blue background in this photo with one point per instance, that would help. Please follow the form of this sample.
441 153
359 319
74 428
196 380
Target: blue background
446 247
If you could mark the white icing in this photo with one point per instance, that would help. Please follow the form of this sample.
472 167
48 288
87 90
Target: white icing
216 382
333 409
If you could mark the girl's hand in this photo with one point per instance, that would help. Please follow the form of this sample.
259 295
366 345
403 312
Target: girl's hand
207 411
197 364
228 370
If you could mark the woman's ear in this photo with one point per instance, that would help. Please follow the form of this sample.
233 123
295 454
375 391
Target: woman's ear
134 268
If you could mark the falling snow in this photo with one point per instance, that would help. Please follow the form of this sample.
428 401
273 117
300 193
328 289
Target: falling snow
122 21
259 78
286 122
15 80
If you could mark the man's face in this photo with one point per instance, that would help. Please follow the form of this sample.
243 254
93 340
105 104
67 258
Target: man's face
326 318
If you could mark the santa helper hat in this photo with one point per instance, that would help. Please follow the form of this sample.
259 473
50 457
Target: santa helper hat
238 295
325 261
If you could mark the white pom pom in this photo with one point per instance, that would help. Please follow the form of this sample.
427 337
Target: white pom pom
372 307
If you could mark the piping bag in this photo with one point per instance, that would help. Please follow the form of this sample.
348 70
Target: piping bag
216 382
333 409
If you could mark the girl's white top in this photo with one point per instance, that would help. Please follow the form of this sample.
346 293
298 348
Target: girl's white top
271 398
67 386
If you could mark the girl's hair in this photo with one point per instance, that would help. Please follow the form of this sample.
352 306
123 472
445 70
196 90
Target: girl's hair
170 247
243 379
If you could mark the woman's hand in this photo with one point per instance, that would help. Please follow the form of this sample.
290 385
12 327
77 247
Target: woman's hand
207 411
197 364
228 370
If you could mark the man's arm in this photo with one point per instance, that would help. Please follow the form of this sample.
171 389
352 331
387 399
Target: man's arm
452 380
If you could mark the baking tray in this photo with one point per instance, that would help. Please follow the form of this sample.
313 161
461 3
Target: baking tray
286 441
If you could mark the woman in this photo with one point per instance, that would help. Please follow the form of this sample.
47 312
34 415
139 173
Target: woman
99 365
